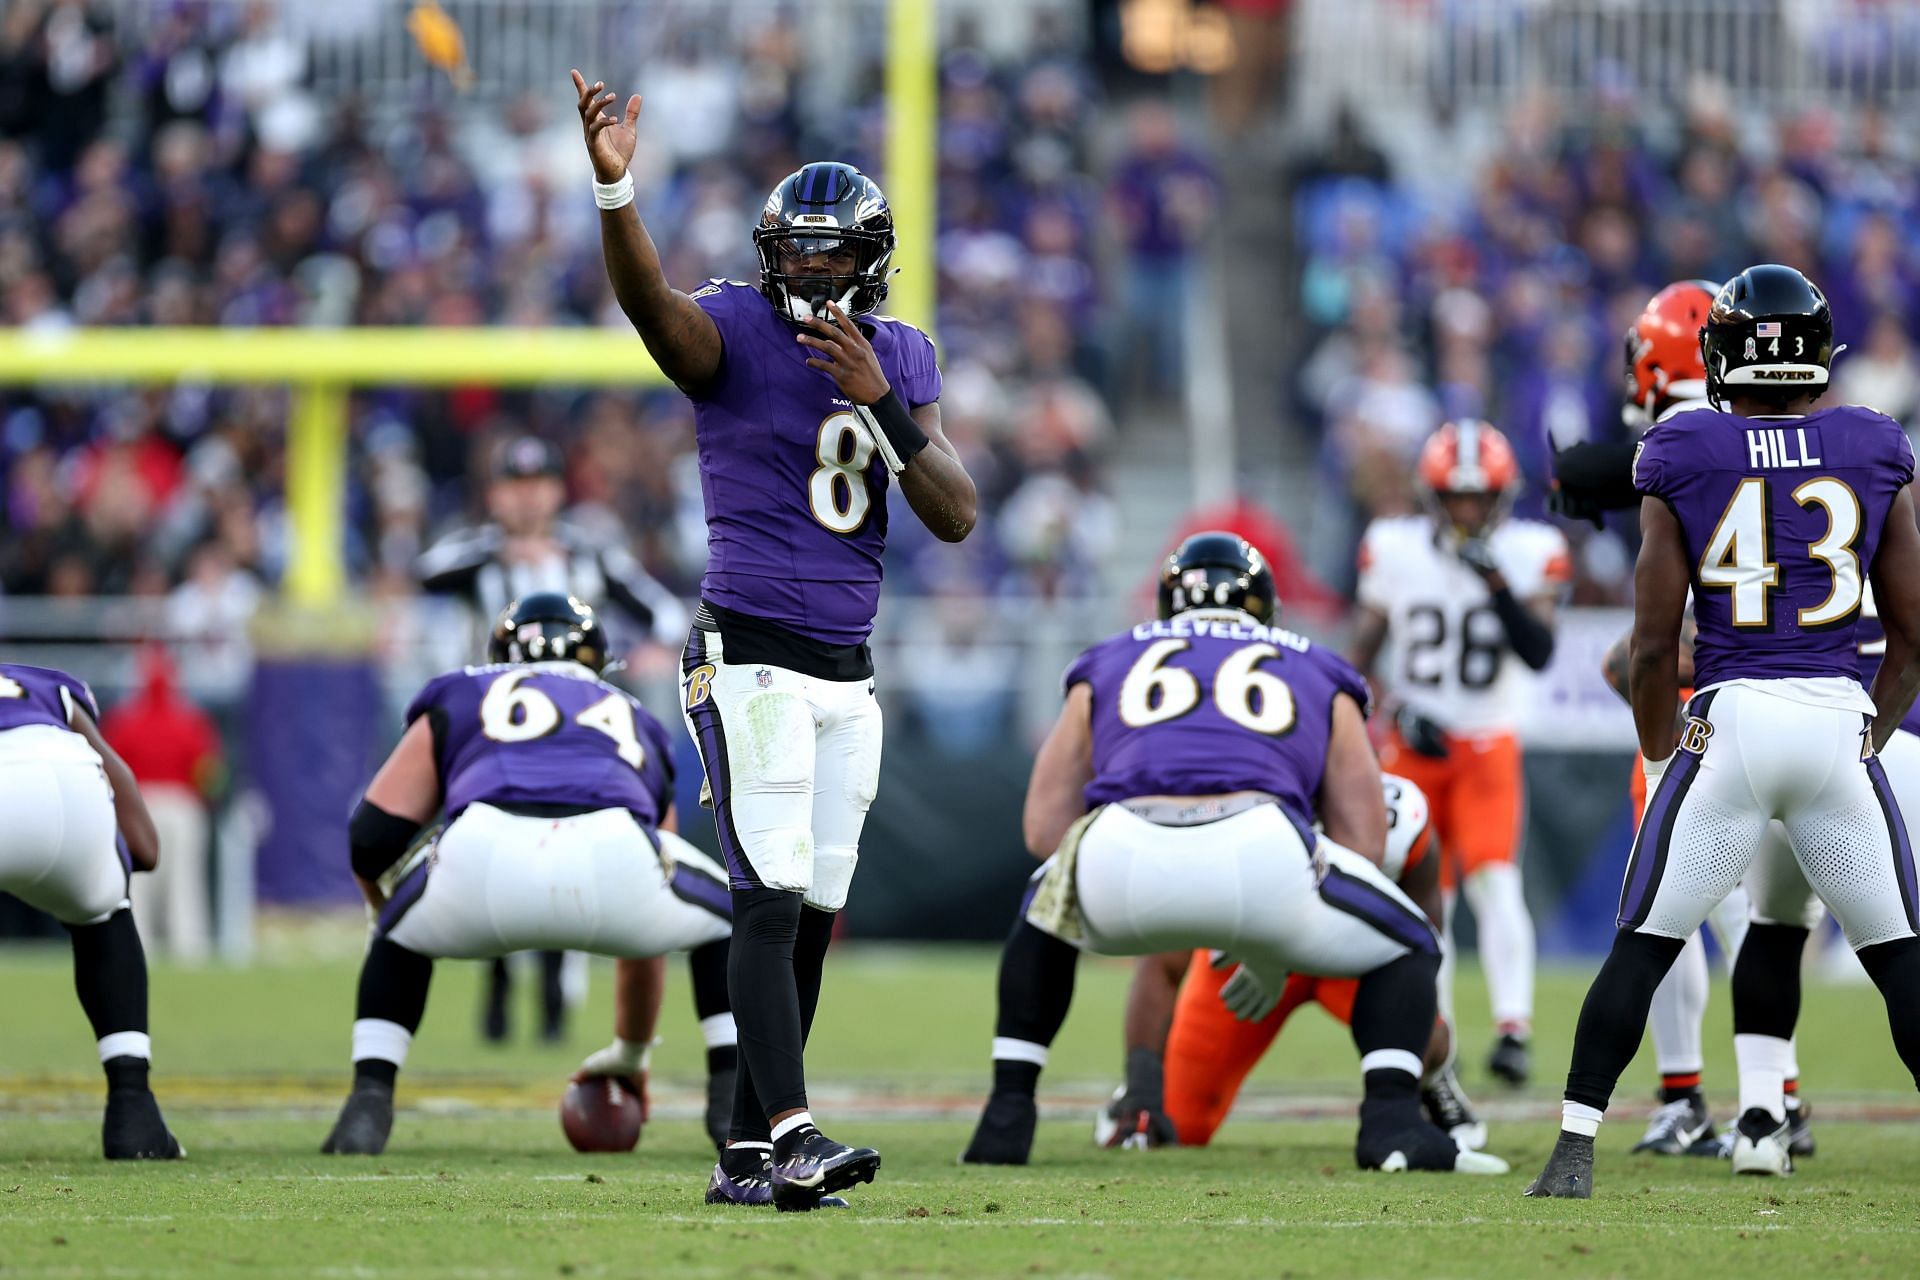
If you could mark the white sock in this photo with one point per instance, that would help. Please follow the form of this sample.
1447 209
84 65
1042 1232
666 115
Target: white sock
1506 941
1679 1003
1578 1118
719 1031
1007 1049
1446 956
1391 1060
1763 1073
126 1044
792 1122
378 1038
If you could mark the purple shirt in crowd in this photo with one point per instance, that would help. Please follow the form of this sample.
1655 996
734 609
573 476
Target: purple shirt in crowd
796 502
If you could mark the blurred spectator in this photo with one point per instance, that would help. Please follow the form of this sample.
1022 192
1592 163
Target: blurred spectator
1883 375
173 749
1161 200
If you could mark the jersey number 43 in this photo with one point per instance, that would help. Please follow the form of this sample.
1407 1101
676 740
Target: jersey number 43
1738 560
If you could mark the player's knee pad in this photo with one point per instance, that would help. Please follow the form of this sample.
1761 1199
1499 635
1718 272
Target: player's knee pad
770 744
833 866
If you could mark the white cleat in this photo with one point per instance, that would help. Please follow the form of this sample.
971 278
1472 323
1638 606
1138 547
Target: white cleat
1481 1162
1760 1145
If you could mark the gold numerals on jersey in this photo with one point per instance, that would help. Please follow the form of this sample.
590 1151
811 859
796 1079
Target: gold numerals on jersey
699 685
1694 734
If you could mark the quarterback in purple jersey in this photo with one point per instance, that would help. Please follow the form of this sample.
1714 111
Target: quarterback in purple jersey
76 829
557 789
1174 802
1776 515
807 406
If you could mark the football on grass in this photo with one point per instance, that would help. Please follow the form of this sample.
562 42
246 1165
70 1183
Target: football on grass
600 1114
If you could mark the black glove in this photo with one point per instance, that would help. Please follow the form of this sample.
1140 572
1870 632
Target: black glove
1569 505
1477 554
1420 734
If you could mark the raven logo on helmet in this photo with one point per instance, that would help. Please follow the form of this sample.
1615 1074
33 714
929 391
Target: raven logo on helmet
826 235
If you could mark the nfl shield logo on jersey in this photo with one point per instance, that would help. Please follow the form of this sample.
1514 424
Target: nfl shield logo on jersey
764 678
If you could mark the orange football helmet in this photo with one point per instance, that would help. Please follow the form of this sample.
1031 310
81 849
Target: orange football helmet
1469 457
1663 357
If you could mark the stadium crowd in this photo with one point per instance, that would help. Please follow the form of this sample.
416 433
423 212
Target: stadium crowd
1502 290
196 178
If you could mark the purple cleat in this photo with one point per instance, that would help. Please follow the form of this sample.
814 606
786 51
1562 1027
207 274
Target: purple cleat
819 1165
744 1175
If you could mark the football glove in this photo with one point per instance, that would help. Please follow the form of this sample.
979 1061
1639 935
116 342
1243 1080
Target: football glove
626 1062
1421 734
1246 997
1569 505
1477 555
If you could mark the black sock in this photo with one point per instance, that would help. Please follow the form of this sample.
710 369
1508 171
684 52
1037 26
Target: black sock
110 974
375 1071
1766 981
1391 1099
707 965
393 984
1677 1093
1614 1016
766 1001
553 992
784 1144
1011 1075
809 960
749 1117
723 1057
1393 1008
1036 985
127 1072
1895 969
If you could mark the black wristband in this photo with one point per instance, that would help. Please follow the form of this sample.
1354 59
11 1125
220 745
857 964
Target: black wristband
378 839
894 418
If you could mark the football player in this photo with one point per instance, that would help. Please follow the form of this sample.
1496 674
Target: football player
1776 514
557 790
807 405
1179 789
1463 600
75 832
1205 1033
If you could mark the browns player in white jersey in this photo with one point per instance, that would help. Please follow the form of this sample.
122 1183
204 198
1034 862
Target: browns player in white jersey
1456 614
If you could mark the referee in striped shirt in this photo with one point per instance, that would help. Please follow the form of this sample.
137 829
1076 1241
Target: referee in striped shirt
525 547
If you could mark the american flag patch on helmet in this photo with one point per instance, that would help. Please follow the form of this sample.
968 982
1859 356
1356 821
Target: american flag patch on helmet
1767 329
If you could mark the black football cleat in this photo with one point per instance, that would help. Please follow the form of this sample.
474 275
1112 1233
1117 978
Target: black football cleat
1510 1060
1420 1147
135 1130
365 1121
1005 1132
1677 1127
817 1166
744 1176
1799 1129
1445 1103
1569 1171
1761 1145
720 1106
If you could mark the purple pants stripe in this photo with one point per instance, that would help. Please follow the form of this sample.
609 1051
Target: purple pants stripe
1903 870
702 891
404 897
1648 862
1381 910
710 736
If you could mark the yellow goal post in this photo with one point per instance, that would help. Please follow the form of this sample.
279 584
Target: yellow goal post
320 366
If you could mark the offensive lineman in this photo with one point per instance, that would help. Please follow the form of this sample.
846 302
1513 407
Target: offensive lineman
64 792
1769 509
1179 787
1204 1027
1456 592
558 793
806 404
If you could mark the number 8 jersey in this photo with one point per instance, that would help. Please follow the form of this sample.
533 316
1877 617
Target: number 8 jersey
1210 703
796 500
1782 517
1447 654
545 733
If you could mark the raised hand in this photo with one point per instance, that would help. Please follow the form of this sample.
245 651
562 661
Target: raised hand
610 138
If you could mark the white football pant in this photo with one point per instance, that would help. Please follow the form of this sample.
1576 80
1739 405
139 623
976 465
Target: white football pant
57 826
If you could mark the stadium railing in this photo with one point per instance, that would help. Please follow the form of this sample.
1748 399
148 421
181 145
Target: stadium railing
1488 53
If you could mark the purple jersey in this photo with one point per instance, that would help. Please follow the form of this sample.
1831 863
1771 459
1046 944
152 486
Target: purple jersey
41 695
545 733
1780 516
1202 705
796 500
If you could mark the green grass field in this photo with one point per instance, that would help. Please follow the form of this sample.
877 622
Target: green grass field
478 1181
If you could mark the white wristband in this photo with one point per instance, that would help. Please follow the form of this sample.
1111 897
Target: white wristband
614 195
